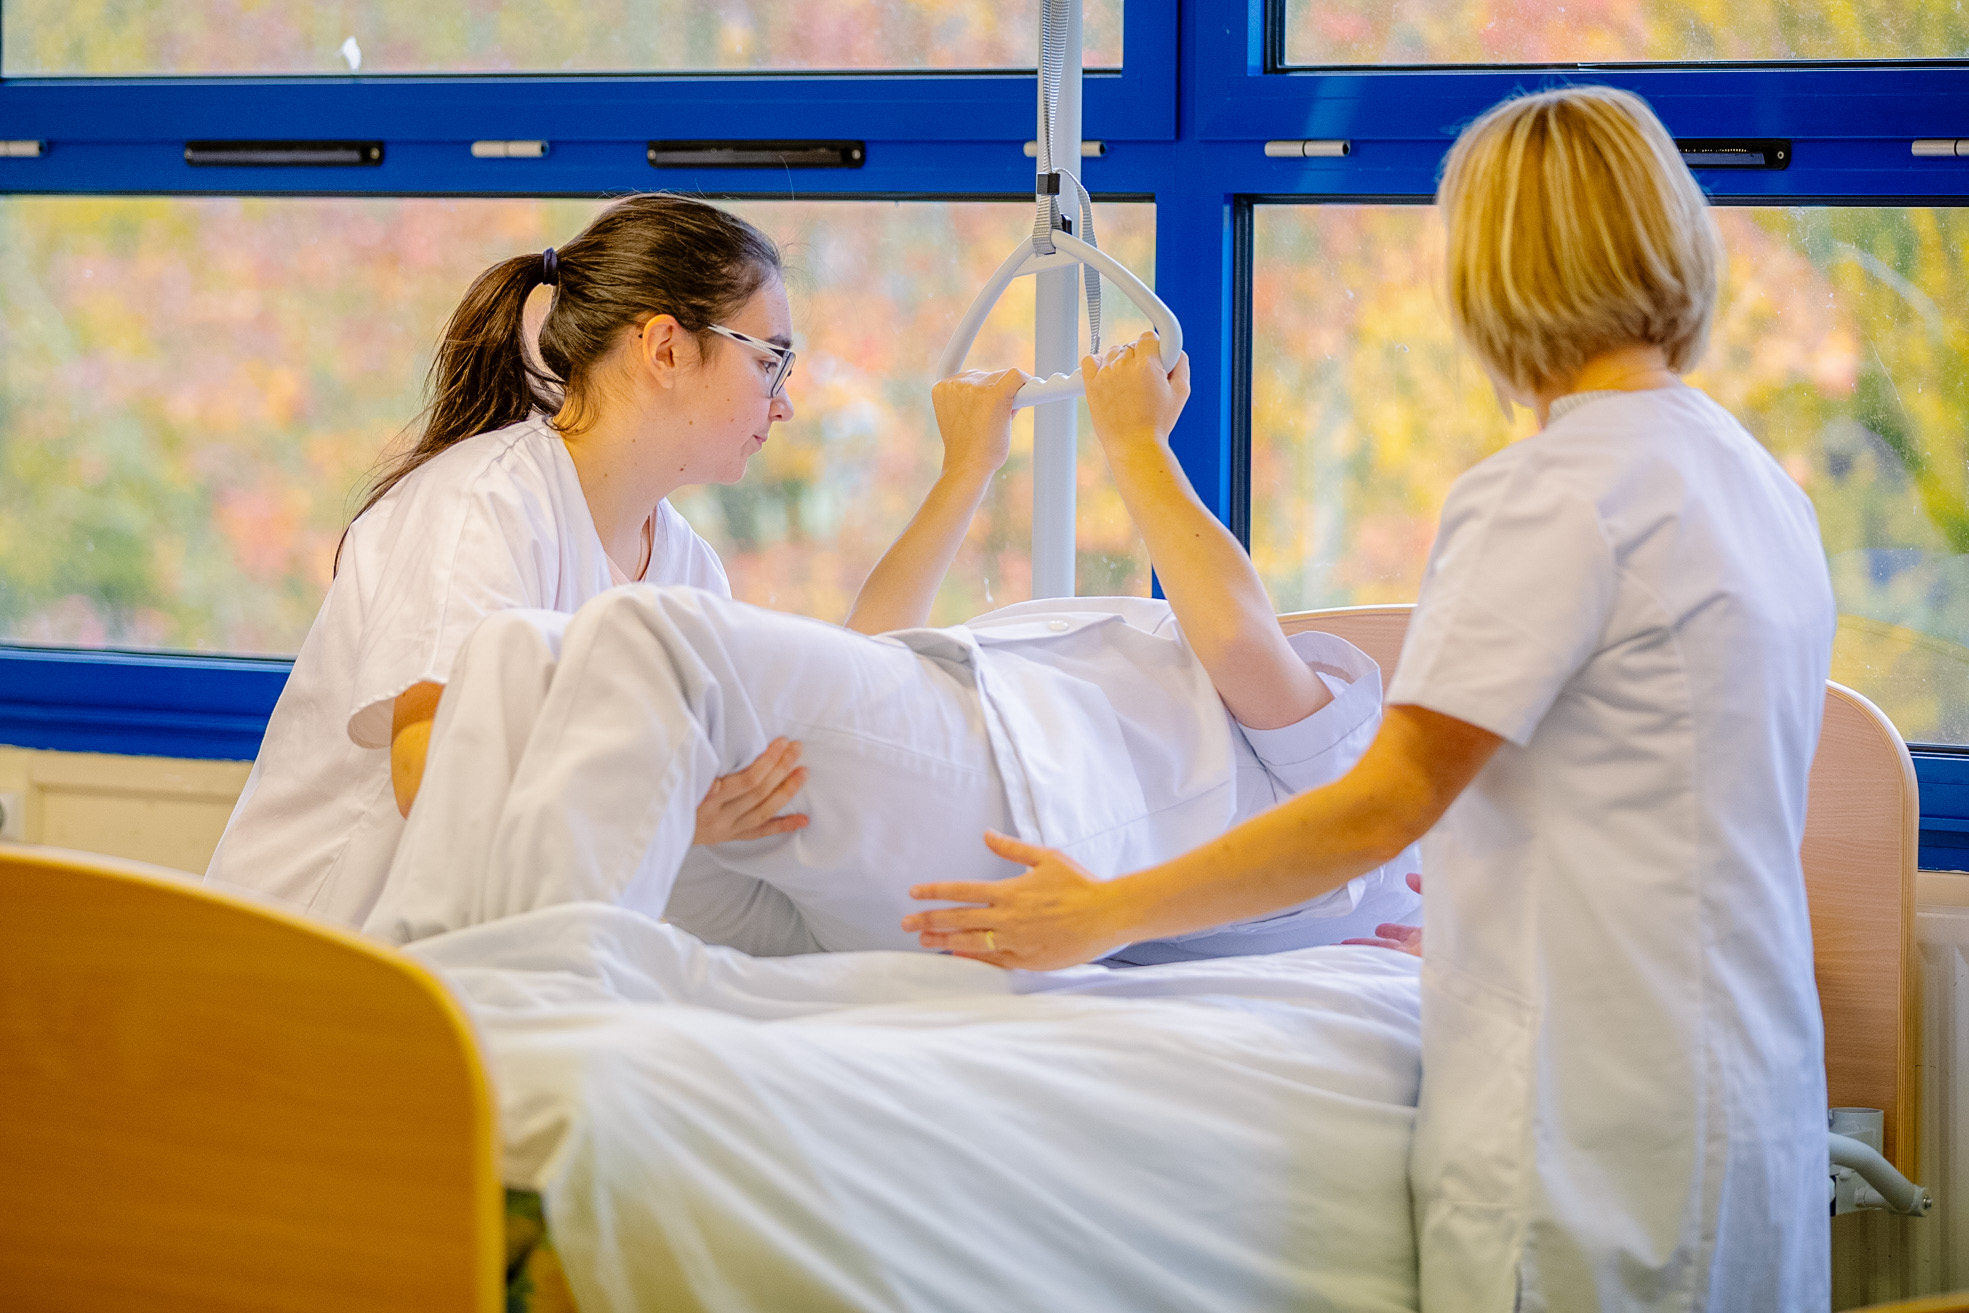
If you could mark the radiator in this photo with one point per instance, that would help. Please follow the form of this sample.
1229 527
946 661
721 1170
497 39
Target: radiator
1878 1256
1944 941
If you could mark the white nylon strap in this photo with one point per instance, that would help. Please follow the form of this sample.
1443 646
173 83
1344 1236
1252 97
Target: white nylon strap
1054 20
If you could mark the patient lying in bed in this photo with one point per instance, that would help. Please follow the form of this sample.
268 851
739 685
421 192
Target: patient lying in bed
569 754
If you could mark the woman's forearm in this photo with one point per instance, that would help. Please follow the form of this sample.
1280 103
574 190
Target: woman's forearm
1058 913
1297 851
1418 764
903 584
1213 588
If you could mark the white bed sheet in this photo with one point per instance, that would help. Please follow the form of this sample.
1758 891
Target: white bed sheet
897 1131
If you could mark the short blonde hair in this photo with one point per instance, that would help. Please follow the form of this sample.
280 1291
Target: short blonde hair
1575 229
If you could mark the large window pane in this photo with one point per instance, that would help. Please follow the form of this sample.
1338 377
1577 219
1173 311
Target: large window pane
193 392
1842 343
1327 32
42 38
877 287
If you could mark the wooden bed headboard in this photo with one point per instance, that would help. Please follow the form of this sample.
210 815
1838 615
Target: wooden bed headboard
213 1104
1862 826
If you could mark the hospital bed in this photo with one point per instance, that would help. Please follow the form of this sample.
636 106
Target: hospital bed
211 1103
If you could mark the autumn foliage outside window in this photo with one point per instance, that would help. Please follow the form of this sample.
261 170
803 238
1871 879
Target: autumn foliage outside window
1354 32
1841 343
194 391
41 38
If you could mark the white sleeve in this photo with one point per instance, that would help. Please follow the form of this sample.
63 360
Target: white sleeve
1325 745
1519 589
452 552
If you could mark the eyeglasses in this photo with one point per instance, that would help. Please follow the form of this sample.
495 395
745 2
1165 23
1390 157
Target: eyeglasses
781 356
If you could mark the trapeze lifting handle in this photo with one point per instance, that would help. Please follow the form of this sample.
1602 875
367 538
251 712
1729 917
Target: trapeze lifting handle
1060 387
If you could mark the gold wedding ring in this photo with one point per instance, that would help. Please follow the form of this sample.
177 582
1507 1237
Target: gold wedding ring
991 942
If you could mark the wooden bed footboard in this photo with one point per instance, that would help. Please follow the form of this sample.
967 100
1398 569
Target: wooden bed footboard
207 1103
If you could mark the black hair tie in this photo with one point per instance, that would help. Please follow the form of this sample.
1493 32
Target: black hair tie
550 268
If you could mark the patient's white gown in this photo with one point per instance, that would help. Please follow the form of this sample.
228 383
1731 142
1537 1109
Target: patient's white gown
570 753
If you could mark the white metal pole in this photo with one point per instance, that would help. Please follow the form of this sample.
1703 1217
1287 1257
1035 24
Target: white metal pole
1056 427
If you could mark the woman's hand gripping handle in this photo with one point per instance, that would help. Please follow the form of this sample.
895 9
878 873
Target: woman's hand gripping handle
974 415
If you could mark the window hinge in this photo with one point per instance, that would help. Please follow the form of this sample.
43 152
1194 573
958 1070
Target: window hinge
1088 149
509 150
1310 150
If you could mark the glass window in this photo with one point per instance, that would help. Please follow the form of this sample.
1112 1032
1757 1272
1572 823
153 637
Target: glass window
876 288
1842 343
194 391
1327 32
63 38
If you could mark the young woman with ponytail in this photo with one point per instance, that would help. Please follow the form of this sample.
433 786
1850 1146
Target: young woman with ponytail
662 363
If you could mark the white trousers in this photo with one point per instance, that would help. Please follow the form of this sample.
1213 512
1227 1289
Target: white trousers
570 753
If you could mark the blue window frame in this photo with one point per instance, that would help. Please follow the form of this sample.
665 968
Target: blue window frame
1185 121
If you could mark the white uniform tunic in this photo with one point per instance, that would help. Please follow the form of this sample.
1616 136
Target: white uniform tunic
568 757
496 521
1623 1097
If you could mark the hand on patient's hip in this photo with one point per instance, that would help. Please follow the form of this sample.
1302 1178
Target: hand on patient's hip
1055 915
746 805
1393 934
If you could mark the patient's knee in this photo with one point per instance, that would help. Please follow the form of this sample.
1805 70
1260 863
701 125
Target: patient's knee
522 636
673 615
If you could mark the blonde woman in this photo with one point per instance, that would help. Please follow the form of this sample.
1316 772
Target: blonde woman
1609 698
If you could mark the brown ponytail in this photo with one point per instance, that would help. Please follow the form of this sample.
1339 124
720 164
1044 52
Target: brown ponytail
645 255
